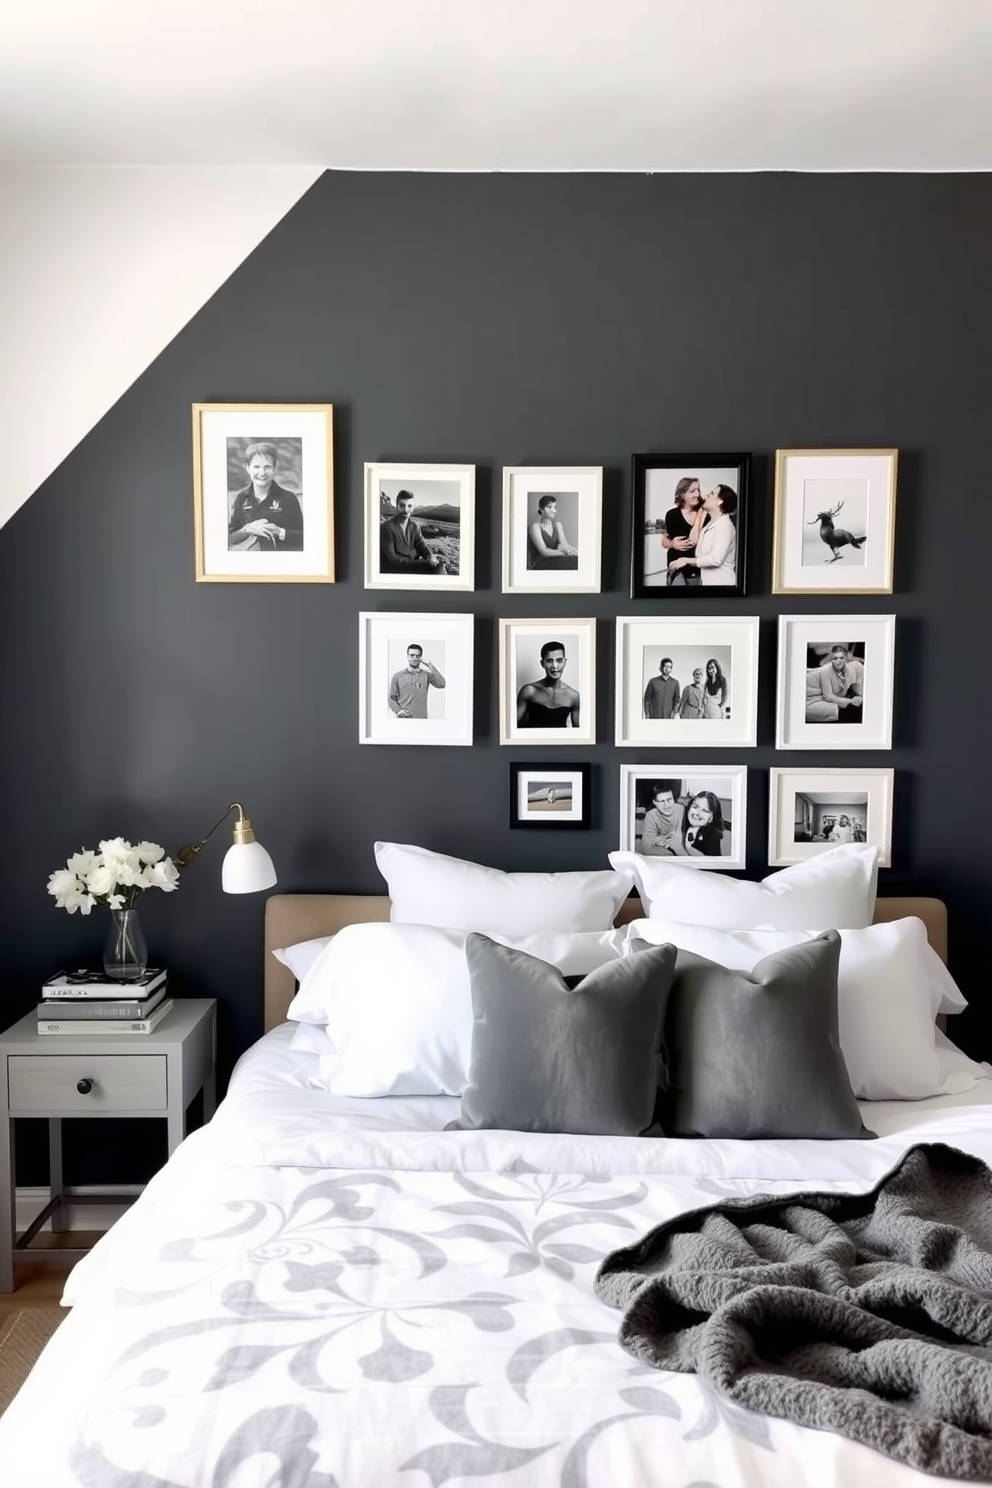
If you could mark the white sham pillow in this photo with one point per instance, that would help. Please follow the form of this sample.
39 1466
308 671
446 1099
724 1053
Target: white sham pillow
301 956
890 985
833 891
394 1004
427 888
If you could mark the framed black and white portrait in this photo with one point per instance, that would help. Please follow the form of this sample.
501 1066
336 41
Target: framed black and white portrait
693 814
689 525
812 810
263 492
547 681
834 530
682 681
835 676
415 678
420 527
552 529
552 795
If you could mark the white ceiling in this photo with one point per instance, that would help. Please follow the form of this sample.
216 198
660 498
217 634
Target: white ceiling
499 84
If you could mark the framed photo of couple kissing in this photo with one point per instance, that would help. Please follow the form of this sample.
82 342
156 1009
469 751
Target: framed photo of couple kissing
834 528
689 526
263 493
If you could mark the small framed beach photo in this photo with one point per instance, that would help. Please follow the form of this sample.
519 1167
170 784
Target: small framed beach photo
812 810
550 795
547 681
835 675
683 681
263 493
834 525
420 527
689 526
693 814
415 676
552 529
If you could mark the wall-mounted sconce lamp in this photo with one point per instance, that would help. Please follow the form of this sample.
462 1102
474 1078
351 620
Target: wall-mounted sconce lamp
247 867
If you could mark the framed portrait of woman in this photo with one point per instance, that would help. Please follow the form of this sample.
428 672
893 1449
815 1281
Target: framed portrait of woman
689 525
693 814
552 529
263 492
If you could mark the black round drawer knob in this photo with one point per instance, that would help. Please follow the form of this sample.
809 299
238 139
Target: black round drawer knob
84 1086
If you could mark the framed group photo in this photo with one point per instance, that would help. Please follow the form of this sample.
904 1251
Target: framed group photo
834 526
835 676
812 810
696 814
552 529
682 681
554 795
415 675
420 527
263 492
689 525
547 681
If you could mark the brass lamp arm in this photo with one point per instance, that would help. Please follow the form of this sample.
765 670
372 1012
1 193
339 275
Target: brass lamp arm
243 833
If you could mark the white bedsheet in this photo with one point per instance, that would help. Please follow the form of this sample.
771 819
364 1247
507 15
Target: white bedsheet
336 1293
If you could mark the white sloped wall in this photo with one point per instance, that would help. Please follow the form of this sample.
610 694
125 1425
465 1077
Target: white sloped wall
99 269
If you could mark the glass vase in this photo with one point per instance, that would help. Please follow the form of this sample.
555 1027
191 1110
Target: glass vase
125 951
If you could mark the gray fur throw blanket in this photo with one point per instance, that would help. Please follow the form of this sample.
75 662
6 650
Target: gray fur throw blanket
865 1314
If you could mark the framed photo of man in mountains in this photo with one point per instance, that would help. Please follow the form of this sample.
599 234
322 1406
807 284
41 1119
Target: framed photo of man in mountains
420 527
834 526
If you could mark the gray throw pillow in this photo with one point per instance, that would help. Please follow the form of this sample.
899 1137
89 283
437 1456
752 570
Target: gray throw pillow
757 1054
553 1058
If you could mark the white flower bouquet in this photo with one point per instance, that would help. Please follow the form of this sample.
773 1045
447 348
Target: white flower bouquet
117 874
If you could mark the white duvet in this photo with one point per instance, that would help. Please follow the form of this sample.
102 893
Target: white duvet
336 1293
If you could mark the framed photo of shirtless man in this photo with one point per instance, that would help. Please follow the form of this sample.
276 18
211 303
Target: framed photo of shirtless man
547 681
415 678
835 681
552 529
689 526
263 493
420 527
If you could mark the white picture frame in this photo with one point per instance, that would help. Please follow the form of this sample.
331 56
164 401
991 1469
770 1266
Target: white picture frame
395 709
439 501
565 502
810 811
645 789
816 710
724 649
530 672
834 523
263 493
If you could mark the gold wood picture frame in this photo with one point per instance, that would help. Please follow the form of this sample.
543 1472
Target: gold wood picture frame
263 493
834 523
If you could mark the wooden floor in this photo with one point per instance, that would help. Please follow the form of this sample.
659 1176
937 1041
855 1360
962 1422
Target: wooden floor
39 1281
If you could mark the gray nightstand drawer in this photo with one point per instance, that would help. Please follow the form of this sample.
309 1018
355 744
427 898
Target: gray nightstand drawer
118 1082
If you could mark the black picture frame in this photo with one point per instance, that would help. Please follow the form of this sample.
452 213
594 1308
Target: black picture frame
650 579
543 817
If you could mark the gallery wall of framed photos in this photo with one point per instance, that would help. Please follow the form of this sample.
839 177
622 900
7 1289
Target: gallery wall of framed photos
486 343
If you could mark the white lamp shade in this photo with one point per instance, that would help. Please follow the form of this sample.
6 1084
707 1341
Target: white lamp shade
247 869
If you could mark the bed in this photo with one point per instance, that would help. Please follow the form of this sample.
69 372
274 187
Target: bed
336 1292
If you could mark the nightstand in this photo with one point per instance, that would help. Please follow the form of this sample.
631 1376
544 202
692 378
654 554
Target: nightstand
133 1075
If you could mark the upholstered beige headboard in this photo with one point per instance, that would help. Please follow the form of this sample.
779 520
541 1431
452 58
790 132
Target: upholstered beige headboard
290 918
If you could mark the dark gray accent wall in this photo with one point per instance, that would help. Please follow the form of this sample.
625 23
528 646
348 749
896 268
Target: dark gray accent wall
496 319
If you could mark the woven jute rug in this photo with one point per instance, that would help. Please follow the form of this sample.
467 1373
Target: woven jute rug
23 1335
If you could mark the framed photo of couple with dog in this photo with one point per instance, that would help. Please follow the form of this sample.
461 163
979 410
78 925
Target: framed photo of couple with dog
689 526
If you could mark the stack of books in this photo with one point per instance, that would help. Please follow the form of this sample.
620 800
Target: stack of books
85 1002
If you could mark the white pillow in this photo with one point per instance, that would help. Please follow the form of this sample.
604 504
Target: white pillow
301 956
833 891
890 985
394 1003
428 888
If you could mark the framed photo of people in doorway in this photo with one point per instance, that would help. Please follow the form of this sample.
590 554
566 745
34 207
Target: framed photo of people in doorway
835 677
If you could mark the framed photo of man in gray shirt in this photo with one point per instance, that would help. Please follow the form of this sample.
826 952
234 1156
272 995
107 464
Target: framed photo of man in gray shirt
415 678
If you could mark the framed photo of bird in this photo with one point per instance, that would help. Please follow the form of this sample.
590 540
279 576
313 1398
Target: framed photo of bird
834 529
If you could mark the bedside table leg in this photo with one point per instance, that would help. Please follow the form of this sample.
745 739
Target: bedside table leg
7 1206
60 1220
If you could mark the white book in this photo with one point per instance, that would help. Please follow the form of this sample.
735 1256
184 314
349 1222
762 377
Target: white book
85 983
100 1026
